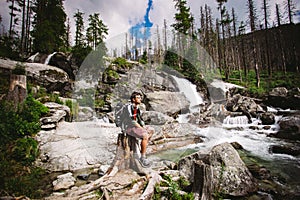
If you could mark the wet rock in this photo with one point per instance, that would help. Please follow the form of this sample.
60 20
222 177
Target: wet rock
293 150
246 105
267 118
237 145
220 171
282 98
289 128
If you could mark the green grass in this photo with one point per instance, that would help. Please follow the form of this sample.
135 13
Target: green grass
279 79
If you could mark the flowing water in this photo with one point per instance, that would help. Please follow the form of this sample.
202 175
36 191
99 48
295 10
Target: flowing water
253 137
48 58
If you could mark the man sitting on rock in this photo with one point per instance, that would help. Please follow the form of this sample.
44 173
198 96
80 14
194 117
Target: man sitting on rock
137 127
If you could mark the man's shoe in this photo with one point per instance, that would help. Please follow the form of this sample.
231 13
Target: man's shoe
144 162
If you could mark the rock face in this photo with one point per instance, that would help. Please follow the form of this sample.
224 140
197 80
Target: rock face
156 118
221 171
71 146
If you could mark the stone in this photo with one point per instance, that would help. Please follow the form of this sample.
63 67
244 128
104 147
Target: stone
157 118
289 128
267 118
230 174
168 103
293 150
64 181
221 171
279 91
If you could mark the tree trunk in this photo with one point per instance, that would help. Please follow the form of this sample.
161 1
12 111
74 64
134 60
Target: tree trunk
11 18
127 148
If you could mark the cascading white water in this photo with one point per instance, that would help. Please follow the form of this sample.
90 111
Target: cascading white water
236 120
252 136
48 58
190 92
32 58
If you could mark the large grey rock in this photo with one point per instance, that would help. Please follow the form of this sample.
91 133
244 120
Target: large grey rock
246 105
279 91
289 128
157 118
170 103
230 174
76 145
221 171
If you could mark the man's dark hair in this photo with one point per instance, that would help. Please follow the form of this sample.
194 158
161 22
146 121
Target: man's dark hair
134 94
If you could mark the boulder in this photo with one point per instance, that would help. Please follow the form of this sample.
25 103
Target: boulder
221 171
64 181
61 61
156 118
230 174
267 118
246 105
170 103
57 59
282 98
289 128
279 92
290 149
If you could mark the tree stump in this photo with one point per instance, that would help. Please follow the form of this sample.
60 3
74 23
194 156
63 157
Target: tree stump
126 155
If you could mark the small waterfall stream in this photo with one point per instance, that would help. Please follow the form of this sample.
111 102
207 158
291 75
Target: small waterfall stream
48 58
190 92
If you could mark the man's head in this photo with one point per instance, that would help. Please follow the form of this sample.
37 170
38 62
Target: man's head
136 97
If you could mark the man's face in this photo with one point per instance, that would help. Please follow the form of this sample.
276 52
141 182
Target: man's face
137 99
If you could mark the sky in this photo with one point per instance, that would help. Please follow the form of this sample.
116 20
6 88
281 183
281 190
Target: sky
122 15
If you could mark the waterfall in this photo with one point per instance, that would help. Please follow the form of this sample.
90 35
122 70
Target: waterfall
48 58
32 58
190 92
238 120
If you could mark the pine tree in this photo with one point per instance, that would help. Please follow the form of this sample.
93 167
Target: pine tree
183 24
183 18
96 31
49 26
79 36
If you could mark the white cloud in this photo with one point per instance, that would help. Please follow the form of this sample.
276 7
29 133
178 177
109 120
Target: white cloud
120 15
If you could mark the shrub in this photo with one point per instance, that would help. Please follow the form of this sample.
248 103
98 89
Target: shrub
25 150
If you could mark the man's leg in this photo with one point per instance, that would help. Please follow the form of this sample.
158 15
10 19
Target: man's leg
144 144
